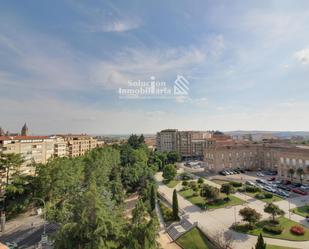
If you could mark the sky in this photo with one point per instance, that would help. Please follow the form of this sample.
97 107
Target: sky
62 64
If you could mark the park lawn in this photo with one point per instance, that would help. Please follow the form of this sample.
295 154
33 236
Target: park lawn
200 201
171 184
267 200
278 247
285 235
196 200
194 239
302 211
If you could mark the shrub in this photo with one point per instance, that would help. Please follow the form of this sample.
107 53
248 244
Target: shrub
259 196
252 189
241 190
297 230
200 180
192 184
268 195
273 229
185 183
236 184
185 176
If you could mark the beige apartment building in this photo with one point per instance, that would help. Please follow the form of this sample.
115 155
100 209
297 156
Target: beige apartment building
166 140
189 144
78 145
33 148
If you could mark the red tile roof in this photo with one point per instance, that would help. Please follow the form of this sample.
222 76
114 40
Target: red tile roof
22 137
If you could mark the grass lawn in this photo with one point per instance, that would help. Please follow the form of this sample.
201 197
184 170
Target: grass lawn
194 239
286 234
303 211
199 201
278 247
171 184
196 200
267 200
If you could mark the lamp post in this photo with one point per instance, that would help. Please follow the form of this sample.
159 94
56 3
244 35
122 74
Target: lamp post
235 214
40 199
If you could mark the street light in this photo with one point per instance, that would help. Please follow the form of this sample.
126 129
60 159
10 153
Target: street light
40 199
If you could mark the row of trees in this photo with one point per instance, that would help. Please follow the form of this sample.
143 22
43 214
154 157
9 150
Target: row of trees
299 171
251 216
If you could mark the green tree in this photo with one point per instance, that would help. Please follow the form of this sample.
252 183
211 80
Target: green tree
143 231
300 172
200 180
152 198
227 189
260 244
291 172
10 164
250 215
274 210
93 222
209 192
173 157
169 172
175 205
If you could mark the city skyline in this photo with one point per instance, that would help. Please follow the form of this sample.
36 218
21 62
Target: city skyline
63 63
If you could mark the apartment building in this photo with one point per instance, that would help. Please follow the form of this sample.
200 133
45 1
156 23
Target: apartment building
189 144
166 140
33 148
78 145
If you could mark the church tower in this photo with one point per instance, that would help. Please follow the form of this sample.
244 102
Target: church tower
24 130
1 131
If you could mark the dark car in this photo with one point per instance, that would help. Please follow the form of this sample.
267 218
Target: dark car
284 187
296 185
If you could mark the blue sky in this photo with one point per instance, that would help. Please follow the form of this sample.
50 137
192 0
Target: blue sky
62 63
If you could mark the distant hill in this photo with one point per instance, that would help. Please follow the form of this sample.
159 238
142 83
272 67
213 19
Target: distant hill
280 134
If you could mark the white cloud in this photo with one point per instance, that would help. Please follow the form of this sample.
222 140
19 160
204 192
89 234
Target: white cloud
141 64
302 56
121 26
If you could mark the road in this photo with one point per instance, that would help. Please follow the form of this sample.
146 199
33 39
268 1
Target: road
26 231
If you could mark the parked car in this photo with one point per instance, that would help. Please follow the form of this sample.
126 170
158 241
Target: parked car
298 191
223 173
260 174
284 187
283 193
271 178
250 183
296 185
304 187
285 182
